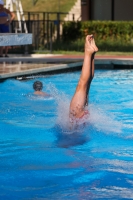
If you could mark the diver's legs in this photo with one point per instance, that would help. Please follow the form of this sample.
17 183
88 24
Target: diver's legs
79 99
93 68
92 75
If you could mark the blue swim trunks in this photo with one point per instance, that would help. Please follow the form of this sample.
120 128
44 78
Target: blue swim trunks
4 28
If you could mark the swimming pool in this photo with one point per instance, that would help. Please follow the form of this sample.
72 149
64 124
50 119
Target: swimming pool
38 160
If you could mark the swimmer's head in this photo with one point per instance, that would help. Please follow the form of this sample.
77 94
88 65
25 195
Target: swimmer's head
38 86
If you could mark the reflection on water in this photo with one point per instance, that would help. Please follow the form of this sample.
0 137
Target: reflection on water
6 67
69 138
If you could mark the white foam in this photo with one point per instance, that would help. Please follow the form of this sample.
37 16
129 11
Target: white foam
32 96
98 118
63 103
104 121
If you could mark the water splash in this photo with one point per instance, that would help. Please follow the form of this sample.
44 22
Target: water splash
63 103
100 119
32 96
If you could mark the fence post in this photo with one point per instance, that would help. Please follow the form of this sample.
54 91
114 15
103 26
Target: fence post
26 49
51 37
47 29
43 40
73 17
58 26
28 22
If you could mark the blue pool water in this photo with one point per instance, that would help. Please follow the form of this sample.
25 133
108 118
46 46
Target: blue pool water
40 159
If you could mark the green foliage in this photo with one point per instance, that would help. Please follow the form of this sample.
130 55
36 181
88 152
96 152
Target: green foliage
71 30
77 45
109 35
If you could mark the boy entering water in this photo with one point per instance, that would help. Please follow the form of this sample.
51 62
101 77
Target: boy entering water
80 98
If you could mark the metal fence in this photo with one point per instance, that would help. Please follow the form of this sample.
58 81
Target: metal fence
46 28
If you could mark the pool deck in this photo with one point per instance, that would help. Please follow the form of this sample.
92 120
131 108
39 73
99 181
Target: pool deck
17 66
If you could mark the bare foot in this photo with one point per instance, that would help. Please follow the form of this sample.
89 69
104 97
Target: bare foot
93 44
88 46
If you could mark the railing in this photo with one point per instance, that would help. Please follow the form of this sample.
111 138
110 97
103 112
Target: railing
46 27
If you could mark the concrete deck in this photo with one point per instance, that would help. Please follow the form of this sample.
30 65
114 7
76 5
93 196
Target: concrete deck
17 65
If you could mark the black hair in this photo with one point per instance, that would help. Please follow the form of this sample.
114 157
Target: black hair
37 85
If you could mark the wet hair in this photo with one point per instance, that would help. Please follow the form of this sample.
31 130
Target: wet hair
37 85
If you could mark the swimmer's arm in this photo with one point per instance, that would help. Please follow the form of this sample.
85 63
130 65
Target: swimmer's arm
10 13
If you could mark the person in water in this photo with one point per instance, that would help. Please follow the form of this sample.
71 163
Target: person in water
38 86
79 101
6 18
